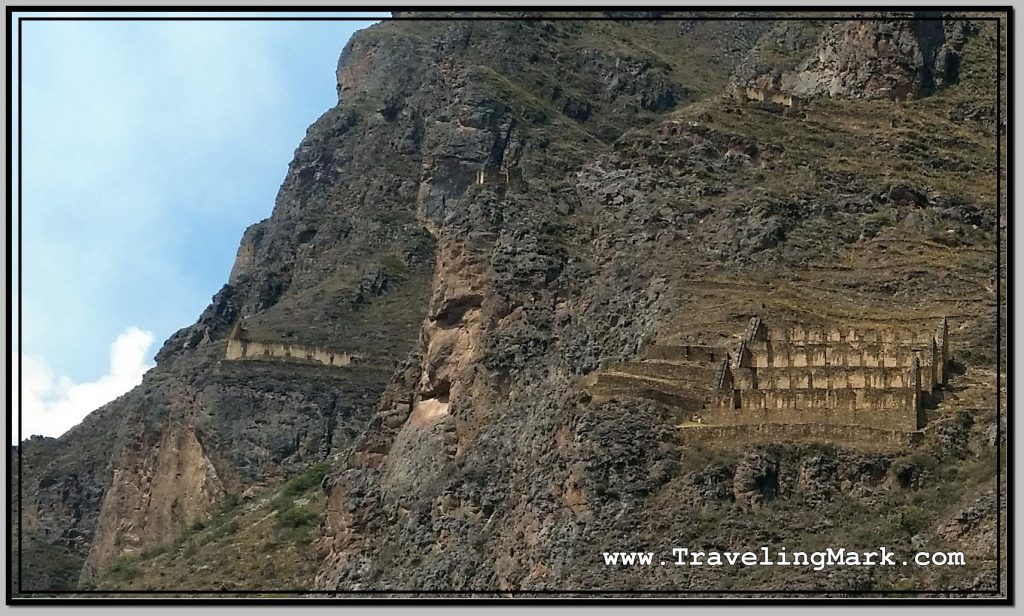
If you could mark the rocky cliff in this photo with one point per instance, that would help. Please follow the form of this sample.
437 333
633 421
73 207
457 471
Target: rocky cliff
496 209
865 58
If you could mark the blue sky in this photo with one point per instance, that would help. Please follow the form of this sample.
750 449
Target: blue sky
147 148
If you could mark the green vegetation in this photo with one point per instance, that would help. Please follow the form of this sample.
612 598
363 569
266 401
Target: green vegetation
260 543
125 568
297 518
309 479
905 522
228 504
884 219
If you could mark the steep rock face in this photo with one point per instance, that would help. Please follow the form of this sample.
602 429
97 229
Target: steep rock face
61 490
879 59
485 466
900 59
340 264
501 291
155 491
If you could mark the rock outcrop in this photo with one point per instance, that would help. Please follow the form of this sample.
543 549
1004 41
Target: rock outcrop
879 59
900 59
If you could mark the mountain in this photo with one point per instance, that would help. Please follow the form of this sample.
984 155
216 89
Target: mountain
391 390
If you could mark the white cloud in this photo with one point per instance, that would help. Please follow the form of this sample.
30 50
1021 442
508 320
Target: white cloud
148 147
158 134
51 404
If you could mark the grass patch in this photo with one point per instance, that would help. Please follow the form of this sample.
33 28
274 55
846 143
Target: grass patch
125 568
296 517
394 265
882 219
295 520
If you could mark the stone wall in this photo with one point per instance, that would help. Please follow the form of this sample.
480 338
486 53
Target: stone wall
824 377
503 176
890 408
887 335
679 376
686 352
850 436
804 382
830 376
762 95
240 347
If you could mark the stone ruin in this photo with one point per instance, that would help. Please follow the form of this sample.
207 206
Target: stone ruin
801 383
769 96
241 346
504 176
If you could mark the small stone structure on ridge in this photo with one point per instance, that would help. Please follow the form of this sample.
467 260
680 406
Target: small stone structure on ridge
499 177
769 96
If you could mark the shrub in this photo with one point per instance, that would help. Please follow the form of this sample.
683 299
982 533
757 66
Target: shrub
296 517
905 521
124 568
229 503
309 479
